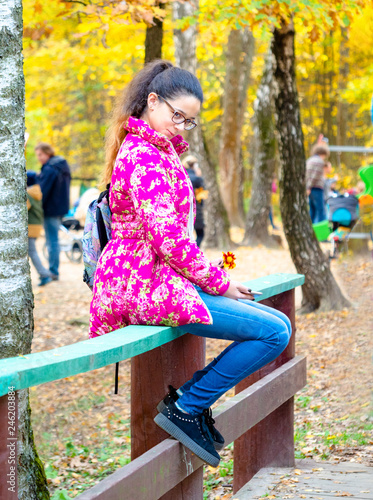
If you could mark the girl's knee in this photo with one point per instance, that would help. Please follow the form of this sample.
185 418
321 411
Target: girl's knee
280 338
283 339
285 330
285 320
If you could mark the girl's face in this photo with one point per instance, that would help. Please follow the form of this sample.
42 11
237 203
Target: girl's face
159 113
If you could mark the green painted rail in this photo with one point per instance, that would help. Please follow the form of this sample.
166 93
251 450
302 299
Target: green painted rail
41 367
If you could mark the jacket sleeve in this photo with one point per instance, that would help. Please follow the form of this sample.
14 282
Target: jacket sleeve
152 194
46 180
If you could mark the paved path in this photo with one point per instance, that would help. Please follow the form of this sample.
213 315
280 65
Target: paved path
311 480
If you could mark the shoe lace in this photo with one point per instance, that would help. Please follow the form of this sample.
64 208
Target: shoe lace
172 392
209 421
172 395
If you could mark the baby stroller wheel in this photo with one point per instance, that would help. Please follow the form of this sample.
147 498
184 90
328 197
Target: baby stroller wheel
76 252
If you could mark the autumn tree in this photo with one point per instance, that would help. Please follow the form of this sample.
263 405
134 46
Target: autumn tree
216 220
154 38
89 58
344 70
63 112
16 298
320 290
88 51
334 72
239 56
256 224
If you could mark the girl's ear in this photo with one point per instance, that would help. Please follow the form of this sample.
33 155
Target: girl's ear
152 101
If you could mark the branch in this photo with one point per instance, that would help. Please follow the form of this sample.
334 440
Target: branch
75 1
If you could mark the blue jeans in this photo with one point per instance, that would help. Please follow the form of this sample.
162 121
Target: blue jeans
317 205
259 335
51 228
35 259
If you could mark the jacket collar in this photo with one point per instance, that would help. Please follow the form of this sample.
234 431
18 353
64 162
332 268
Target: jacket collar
139 127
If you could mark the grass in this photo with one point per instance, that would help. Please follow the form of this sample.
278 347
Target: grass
315 437
77 467
213 480
349 437
311 439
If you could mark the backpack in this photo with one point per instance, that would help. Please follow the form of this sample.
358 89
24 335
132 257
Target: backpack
97 233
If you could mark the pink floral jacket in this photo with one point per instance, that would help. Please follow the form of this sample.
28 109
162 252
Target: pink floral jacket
146 273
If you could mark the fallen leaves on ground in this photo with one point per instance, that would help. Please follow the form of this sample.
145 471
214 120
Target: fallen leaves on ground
82 429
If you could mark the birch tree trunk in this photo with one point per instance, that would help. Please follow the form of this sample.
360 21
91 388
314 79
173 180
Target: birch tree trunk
16 299
320 290
216 219
240 52
256 226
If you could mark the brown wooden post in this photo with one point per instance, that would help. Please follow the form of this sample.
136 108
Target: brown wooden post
271 442
8 446
173 363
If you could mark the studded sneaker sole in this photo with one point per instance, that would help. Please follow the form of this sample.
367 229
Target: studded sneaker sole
161 406
218 440
171 428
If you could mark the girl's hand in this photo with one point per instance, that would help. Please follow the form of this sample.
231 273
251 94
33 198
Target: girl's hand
218 263
237 290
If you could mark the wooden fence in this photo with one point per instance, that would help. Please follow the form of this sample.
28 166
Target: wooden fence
259 418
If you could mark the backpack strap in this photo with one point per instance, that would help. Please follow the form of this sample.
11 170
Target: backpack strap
100 220
104 193
103 241
101 229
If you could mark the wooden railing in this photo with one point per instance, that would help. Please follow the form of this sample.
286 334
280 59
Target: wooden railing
259 418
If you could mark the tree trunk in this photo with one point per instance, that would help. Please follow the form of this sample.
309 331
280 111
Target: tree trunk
320 290
16 299
239 58
343 106
154 39
216 219
256 227
327 89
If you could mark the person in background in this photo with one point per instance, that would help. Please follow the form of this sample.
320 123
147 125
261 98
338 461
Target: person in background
194 172
54 181
332 185
35 224
315 181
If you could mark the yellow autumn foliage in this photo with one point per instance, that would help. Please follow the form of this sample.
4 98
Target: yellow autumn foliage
76 63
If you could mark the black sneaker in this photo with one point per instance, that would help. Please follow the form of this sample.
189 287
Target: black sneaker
172 394
190 430
217 438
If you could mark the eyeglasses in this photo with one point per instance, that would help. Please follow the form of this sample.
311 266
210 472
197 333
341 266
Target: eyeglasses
179 118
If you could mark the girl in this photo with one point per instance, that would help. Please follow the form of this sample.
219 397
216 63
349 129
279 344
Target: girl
152 272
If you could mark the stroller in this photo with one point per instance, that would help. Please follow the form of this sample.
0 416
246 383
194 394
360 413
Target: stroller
343 213
69 242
